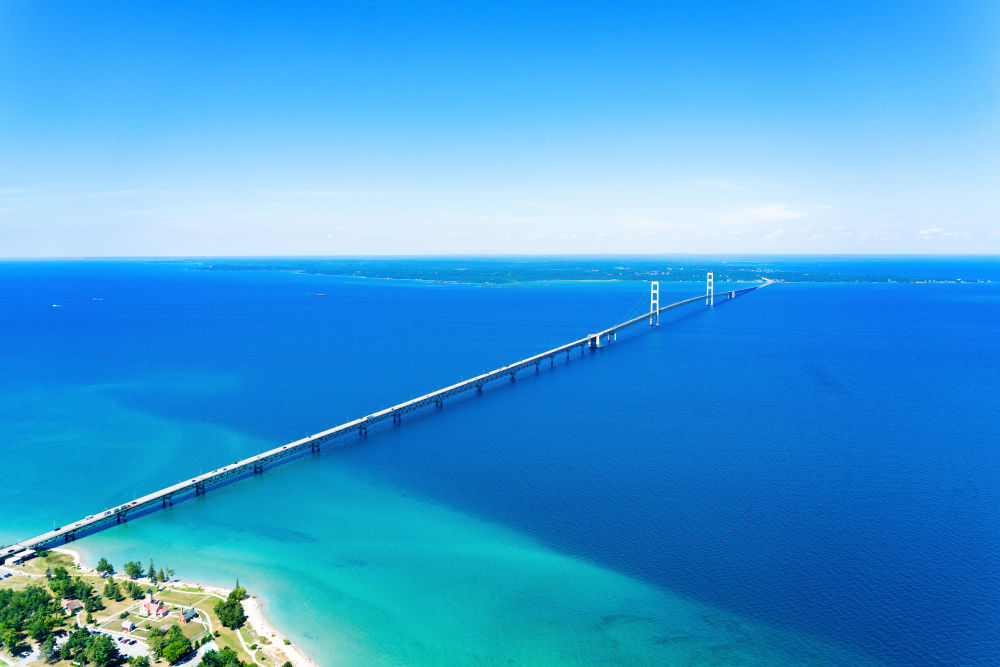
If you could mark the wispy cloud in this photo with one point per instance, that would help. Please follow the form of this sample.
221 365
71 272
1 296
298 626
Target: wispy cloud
936 232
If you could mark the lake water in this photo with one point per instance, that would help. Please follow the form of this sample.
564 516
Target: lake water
804 475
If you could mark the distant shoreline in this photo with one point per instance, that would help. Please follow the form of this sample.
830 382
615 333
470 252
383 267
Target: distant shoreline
498 273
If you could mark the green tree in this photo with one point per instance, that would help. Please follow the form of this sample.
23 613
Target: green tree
112 591
176 646
139 661
227 657
104 566
102 651
151 572
161 576
76 645
156 640
133 569
39 627
135 590
10 639
230 610
49 651
93 603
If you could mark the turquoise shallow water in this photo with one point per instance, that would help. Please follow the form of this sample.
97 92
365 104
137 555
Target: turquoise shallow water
803 476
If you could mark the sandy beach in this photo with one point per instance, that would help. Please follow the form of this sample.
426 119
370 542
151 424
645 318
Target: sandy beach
252 606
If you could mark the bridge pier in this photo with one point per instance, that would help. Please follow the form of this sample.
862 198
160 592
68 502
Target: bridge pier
710 290
513 373
536 364
258 468
479 387
396 418
363 431
199 489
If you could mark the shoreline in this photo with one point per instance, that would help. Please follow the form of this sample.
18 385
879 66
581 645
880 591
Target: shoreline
253 607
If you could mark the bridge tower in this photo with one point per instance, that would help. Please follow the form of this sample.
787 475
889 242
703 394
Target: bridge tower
710 290
654 303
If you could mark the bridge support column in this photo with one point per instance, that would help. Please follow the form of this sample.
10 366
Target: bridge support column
479 387
654 303
258 468
199 489
536 365
710 290
513 375
396 418
363 431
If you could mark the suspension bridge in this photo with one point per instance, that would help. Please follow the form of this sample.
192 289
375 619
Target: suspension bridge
197 486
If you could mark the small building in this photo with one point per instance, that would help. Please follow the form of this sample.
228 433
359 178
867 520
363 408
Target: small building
189 614
128 626
72 606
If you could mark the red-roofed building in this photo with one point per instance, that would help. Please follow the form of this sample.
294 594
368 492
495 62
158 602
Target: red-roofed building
152 608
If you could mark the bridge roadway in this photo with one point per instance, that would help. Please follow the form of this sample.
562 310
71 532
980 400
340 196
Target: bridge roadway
256 464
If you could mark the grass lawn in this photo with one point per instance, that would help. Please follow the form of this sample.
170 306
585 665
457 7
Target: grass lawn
17 583
185 599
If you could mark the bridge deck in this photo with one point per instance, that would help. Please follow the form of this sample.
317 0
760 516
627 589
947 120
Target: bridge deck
196 485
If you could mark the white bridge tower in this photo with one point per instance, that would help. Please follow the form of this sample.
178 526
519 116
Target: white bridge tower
654 303
710 290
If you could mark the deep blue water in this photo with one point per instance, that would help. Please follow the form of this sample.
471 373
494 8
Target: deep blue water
820 459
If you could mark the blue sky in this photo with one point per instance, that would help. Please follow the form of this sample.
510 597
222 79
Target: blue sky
238 128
